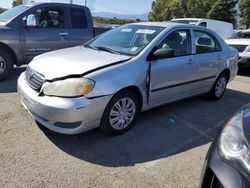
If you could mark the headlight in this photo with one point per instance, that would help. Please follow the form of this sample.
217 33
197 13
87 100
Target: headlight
233 145
72 87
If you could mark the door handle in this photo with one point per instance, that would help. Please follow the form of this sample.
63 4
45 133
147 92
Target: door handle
63 34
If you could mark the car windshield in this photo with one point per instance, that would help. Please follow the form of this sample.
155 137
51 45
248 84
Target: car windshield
12 13
127 40
190 22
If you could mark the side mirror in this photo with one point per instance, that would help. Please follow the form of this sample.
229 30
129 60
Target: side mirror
31 21
162 53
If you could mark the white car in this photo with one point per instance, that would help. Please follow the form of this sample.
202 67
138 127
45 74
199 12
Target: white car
241 42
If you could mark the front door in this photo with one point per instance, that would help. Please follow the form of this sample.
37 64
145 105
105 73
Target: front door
171 78
49 34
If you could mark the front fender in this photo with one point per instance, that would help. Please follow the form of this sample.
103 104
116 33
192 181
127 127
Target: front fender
110 80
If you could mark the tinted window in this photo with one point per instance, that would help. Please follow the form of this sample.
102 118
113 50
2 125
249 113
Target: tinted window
49 18
78 18
179 41
205 42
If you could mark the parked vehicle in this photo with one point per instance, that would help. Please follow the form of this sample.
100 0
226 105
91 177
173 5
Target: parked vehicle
227 162
224 29
130 69
30 30
241 42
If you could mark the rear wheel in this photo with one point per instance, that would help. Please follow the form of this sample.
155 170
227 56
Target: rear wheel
120 113
219 87
6 64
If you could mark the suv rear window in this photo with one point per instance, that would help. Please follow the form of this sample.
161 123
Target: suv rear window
78 18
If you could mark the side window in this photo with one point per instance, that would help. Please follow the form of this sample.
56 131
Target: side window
203 24
49 18
78 18
179 41
205 42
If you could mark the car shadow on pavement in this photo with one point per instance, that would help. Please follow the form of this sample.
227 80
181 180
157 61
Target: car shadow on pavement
9 85
157 134
244 72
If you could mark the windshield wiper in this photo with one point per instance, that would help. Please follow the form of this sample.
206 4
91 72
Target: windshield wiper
88 46
102 48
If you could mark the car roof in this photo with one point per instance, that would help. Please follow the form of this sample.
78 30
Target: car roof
52 3
166 24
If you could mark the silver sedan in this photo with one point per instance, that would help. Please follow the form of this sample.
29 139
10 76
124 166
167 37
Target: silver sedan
106 82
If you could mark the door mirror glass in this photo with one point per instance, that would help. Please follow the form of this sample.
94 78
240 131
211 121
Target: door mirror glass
31 21
163 53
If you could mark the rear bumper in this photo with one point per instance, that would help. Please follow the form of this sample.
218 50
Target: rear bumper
216 171
62 115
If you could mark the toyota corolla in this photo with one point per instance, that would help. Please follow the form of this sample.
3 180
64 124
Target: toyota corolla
106 82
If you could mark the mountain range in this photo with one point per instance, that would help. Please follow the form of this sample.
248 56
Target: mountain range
121 16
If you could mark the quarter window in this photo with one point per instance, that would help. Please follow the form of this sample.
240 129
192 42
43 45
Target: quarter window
205 42
78 18
179 41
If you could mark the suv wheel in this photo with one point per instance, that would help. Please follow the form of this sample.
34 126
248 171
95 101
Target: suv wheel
6 64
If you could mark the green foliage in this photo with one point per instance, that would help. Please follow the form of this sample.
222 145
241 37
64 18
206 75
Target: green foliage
244 6
17 2
116 21
165 10
223 10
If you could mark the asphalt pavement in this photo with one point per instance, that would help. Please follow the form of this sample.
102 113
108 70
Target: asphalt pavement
165 148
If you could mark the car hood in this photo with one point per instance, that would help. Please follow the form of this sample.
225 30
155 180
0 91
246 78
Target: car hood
73 61
238 41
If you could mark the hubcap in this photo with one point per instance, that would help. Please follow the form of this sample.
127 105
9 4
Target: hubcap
2 65
122 113
220 86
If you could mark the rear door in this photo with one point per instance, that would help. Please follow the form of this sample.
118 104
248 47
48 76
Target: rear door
51 32
208 58
81 26
171 78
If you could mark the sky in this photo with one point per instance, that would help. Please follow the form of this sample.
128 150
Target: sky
114 6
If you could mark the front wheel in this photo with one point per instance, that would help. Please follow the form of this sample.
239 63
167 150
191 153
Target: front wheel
6 64
120 113
219 87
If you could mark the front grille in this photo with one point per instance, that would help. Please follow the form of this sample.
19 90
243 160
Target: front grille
240 48
34 79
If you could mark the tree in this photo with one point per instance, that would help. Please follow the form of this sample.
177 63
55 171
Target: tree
165 10
17 2
244 6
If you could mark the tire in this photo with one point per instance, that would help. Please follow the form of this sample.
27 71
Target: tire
219 87
122 119
6 64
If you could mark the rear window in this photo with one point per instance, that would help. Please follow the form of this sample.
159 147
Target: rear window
78 18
